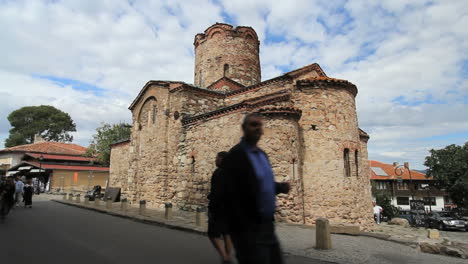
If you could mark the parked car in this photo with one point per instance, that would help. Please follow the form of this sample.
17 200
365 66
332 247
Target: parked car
414 217
446 220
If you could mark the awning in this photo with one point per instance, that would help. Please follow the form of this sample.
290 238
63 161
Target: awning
9 173
36 170
25 168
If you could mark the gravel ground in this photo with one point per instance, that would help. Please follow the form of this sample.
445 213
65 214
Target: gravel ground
355 249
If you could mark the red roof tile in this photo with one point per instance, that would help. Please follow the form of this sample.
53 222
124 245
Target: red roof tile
389 169
60 157
49 147
69 167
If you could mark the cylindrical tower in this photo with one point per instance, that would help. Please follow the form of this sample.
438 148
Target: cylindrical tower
224 51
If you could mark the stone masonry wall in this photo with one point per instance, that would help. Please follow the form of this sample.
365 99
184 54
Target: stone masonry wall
329 125
224 51
119 165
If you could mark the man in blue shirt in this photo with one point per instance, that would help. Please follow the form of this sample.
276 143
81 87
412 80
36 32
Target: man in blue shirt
250 197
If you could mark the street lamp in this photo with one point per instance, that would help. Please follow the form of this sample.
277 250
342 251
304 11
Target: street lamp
41 158
400 170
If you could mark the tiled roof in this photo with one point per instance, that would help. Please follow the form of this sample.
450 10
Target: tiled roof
389 169
326 81
60 157
49 147
62 167
225 81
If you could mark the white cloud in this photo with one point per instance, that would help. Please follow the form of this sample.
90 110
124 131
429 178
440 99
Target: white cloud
411 50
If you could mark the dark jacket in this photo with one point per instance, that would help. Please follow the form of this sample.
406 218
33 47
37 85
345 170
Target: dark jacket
215 205
241 187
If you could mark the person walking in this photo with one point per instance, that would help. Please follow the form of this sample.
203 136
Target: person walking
7 192
28 193
377 211
19 185
251 197
217 222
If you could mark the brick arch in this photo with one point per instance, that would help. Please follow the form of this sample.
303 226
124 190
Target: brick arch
145 107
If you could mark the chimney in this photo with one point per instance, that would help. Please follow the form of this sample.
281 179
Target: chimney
38 138
395 164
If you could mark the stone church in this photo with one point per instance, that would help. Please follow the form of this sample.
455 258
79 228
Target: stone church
311 133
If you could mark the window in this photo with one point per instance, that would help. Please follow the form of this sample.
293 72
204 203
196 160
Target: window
381 185
402 200
429 201
356 162
226 70
155 110
346 162
402 186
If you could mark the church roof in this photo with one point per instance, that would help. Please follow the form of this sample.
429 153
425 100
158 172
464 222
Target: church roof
49 147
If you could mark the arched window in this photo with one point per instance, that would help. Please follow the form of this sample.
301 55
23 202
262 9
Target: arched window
200 79
155 110
226 70
356 162
347 166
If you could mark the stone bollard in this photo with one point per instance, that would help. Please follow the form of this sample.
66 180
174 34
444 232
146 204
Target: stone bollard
97 201
142 207
109 203
168 211
322 234
78 198
65 197
70 197
123 204
199 216
433 234
86 200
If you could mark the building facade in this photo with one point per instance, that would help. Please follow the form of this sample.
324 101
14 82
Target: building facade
59 166
311 133
403 185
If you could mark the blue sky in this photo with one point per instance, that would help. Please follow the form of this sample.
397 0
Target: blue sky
90 59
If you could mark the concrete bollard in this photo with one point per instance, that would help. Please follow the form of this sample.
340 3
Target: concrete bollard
109 203
199 216
86 200
97 201
123 204
142 207
65 196
168 211
70 197
78 198
322 234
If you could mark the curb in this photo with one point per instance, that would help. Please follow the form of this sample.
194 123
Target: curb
389 238
137 219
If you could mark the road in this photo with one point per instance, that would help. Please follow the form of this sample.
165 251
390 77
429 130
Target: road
55 233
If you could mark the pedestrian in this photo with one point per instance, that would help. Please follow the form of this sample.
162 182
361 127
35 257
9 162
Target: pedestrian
28 193
251 197
7 192
377 211
217 221
19 185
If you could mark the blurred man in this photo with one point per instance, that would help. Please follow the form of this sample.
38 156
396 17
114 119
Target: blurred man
217 221
251 198
7 191
19 186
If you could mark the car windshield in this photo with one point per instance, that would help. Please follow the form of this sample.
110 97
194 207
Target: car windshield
448 214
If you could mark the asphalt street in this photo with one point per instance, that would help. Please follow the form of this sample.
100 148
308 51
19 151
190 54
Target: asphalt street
55 233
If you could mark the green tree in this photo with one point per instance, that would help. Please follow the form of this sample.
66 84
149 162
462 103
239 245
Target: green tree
105 136
49 122
384 200
449 167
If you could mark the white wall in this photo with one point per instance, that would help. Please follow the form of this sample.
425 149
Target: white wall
438 207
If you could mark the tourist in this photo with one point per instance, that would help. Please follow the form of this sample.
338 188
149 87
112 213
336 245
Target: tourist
217 222
28 193
251 196
377 211
19 185
7 192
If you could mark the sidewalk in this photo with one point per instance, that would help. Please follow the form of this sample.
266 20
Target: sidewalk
295 239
